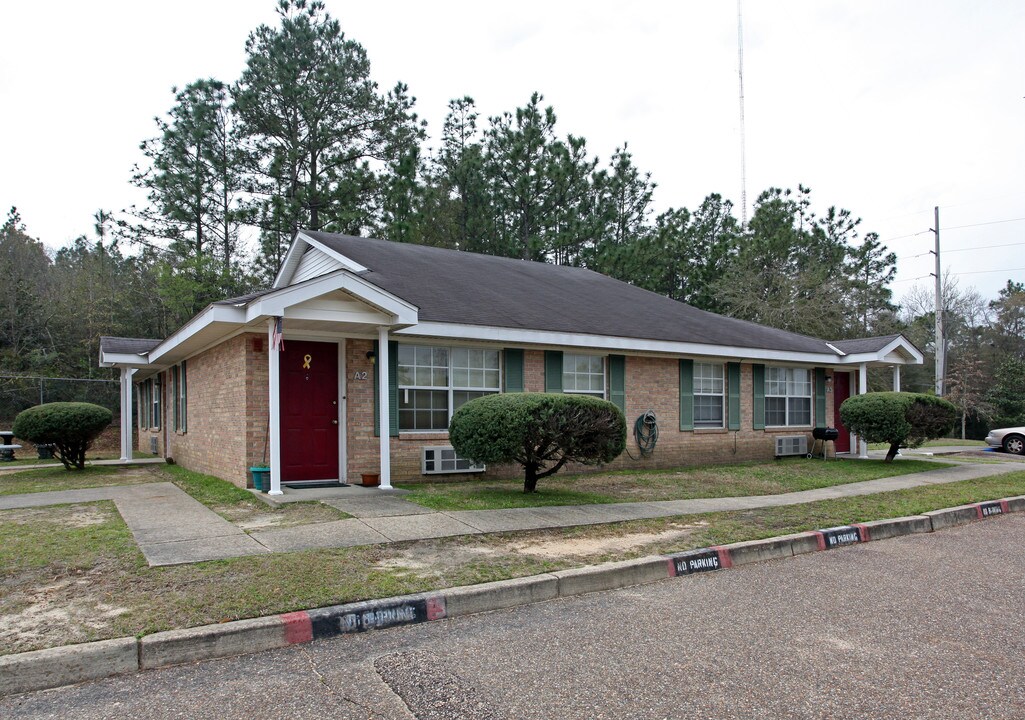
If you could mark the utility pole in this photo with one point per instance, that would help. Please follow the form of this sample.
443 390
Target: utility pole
940 342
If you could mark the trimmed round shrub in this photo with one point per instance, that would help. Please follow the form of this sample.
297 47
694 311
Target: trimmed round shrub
540 431
898 418
69 426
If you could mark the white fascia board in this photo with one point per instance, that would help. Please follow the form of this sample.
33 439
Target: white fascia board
227 314
898 344
347 262
514 336
291 262
275 303
131 360
295 253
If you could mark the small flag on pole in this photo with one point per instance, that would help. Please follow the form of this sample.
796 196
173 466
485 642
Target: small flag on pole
277 341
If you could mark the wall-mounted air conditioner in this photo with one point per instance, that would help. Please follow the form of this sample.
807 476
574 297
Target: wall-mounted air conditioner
792 445
438 460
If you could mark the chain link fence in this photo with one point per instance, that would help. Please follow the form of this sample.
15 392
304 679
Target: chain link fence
18 392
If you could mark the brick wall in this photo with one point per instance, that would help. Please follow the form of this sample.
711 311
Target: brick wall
228 417
219 434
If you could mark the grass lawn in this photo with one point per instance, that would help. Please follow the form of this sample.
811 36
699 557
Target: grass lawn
231 502
760 478
73 573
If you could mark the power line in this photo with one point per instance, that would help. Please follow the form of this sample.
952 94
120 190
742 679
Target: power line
955 227
977 272
966 272
991 222
980 247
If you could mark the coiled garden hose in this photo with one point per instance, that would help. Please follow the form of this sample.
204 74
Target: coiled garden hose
645 434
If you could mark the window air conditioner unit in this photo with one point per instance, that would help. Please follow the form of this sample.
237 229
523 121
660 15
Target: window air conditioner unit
792 445
441 460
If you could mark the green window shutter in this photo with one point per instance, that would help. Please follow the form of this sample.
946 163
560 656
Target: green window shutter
553 371
686 394
617 381
174 398
820 397
393 390
733 388
758 397
185 399
513 360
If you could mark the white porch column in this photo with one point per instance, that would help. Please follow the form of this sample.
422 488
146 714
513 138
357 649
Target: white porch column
896 378
862 389
273 408
126 413
384 406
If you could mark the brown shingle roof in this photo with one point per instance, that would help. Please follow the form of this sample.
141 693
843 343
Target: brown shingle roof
127 346
466 288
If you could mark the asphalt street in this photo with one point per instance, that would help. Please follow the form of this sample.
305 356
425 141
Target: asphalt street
923 626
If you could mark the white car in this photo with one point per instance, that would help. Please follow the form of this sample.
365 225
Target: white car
1010 439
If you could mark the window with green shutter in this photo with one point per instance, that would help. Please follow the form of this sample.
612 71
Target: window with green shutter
617 381
513 360
758 396
686 394
393 393
733 388
820 397
553 371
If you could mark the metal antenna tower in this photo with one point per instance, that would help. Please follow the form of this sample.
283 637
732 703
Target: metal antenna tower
743 143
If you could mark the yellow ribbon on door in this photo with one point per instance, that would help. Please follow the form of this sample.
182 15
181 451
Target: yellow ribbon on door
306 361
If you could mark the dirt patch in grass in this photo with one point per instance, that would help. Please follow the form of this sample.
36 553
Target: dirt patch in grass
586 547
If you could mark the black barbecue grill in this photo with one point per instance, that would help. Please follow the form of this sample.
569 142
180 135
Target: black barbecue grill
824 435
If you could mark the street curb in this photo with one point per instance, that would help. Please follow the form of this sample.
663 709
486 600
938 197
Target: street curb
54 667
67 665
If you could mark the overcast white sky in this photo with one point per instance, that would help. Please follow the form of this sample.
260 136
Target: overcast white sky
885 108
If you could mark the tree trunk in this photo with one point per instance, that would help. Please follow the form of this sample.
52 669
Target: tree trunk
530 479
892 452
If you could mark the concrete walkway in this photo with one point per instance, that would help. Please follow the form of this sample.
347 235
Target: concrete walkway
169 526
172 528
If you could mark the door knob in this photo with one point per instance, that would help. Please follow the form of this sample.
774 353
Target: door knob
334 422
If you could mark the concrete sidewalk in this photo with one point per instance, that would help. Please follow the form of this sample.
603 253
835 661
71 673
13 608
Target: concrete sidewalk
172 528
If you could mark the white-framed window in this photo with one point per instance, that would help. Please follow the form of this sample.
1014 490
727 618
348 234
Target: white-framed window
144 404
178 395
154 421
787 397
434 382
183 399
709 395
583 374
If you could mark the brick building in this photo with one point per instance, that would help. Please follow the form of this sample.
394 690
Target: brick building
292 377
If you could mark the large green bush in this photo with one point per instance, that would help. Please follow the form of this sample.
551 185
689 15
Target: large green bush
897 418
69 426
540 431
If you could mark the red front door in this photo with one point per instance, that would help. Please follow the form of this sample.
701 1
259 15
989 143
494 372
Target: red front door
841 391
309 411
